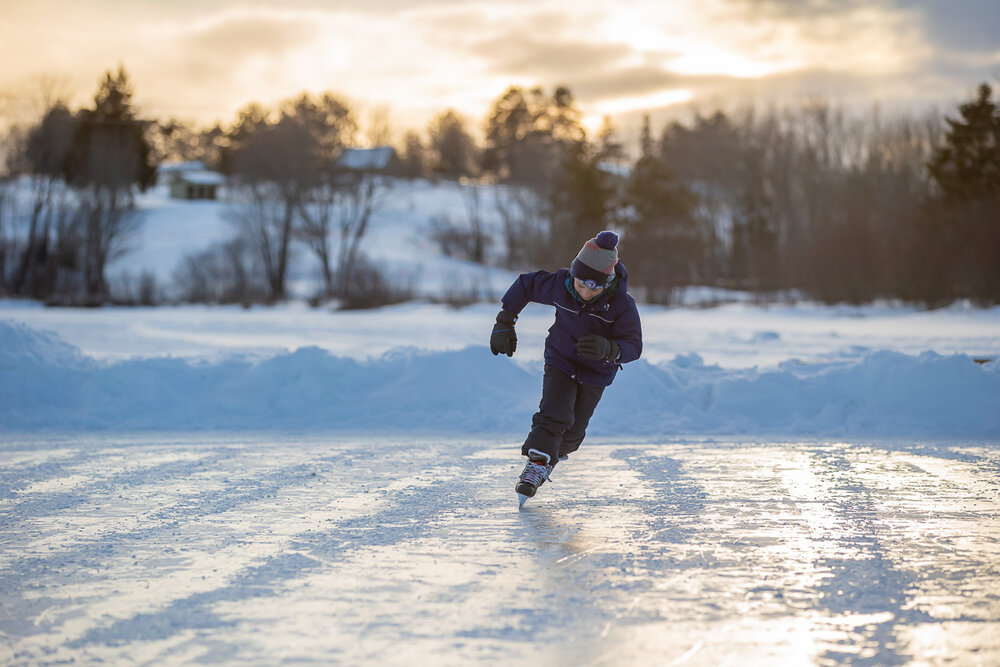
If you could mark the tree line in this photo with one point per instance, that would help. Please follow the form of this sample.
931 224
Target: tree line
807 200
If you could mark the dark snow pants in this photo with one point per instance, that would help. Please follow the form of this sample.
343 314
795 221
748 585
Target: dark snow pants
560 424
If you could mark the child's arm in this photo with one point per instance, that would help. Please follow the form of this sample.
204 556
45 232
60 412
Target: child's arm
627 332
539 287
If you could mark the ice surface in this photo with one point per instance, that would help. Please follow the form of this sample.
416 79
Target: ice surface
248 549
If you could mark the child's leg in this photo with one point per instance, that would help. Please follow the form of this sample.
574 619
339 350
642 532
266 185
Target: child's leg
587 398
554 416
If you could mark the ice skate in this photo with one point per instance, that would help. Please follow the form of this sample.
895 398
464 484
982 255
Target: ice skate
535 473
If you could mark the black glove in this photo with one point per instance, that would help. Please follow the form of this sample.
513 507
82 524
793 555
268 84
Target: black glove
503 340
597 348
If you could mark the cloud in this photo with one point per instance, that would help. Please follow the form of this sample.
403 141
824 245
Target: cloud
353 6
801 9
962 25
945 29
643 49
972 28
236 37
543 47
209 58
528 55
634 81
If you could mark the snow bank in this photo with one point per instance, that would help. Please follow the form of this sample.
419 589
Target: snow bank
47 384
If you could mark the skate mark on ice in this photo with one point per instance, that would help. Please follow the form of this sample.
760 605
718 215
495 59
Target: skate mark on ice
677 498
195 611
234 493
865 582
30 505
15 477
411 513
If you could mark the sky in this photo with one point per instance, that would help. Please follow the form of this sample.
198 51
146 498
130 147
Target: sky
201 60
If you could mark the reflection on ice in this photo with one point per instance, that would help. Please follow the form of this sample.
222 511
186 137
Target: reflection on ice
354 551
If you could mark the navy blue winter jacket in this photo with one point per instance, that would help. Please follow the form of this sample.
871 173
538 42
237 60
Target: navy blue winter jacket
612 314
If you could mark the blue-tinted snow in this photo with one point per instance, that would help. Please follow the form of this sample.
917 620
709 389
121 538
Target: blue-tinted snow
47 384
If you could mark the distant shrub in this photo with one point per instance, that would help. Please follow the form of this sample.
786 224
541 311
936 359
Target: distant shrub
456 240
225 273
371 288
128 289
461 291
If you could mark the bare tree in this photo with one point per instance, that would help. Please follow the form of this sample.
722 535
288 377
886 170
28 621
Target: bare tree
8 248
180 140
468 237
42 157
472 195
265 215
525 224
819 200
340 205
317 212
223 273
378 130
280 165
358 196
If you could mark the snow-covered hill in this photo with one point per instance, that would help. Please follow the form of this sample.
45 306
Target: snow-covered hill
398 238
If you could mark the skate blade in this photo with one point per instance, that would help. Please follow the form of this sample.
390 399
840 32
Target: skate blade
520 500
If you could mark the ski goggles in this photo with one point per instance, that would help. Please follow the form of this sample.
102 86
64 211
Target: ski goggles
593 284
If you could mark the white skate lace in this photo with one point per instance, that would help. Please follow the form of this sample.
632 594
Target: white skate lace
535 474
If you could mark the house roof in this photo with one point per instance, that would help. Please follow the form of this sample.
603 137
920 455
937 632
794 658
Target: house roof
366 158
173 166
615 168
202 177
190 172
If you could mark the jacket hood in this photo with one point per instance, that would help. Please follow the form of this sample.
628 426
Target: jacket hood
622 277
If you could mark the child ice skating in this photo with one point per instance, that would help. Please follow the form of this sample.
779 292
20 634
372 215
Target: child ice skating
596 330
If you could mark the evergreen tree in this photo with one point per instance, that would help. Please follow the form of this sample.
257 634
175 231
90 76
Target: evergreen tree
609 146
527 134
646 146
452 147
961 231
109 158
666 245
413 160
563 118
968 165
580 201
109 148
755 259
511 121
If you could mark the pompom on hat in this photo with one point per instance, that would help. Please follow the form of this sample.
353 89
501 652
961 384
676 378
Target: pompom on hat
597 259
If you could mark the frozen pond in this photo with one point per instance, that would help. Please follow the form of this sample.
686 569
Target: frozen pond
265 549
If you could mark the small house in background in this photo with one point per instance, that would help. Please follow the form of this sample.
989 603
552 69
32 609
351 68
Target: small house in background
382 159
190 180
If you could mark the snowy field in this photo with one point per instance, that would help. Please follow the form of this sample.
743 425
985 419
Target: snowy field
792 484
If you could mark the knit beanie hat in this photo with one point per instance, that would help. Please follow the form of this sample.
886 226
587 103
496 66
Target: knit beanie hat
596 260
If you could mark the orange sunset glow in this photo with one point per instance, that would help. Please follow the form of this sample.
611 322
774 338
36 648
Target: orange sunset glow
201 61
